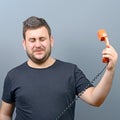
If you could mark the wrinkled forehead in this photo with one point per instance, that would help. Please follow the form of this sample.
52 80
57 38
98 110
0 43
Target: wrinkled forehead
38 32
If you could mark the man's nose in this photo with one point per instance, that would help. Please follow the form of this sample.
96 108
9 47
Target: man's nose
38 43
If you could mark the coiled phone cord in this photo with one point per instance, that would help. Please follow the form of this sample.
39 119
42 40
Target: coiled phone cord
76 98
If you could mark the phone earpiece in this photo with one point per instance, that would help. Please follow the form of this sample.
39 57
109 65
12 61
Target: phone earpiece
102 36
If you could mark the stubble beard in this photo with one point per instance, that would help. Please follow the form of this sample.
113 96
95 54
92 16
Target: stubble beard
39 61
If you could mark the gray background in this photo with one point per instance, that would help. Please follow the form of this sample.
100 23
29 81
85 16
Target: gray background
74 26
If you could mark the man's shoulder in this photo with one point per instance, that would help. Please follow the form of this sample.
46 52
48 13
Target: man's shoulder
65 64
17 68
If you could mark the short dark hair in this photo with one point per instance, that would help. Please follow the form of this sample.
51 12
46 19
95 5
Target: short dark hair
34 23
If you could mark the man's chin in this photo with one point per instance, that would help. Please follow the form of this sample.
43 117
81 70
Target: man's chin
39 57
40 60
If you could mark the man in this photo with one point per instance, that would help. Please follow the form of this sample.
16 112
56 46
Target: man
43 87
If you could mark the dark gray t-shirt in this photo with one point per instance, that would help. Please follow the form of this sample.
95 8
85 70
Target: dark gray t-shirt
42 94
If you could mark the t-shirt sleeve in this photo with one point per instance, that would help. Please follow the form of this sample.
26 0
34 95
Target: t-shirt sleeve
8 95
82 83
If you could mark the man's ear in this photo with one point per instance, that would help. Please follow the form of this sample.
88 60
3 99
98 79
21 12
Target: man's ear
23 43
52 41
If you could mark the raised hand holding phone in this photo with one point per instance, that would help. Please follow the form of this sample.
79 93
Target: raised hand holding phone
102 36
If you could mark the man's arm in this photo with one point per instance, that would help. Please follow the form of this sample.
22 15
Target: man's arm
96 95
6 111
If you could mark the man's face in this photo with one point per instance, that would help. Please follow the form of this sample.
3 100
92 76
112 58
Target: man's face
38 44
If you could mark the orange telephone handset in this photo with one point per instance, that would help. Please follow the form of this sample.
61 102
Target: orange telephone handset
102 36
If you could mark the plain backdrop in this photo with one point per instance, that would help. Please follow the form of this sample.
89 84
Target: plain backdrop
74 25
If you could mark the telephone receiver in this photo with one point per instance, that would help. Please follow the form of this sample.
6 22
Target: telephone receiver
102 36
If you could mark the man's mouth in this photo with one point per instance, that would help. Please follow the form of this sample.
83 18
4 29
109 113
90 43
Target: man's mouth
39 51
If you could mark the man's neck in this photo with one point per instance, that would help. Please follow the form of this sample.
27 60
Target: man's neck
49 62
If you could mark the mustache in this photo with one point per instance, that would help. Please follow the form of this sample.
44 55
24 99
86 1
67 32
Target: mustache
38 49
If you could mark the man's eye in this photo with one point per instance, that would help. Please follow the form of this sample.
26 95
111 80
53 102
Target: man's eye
42 39
32 40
